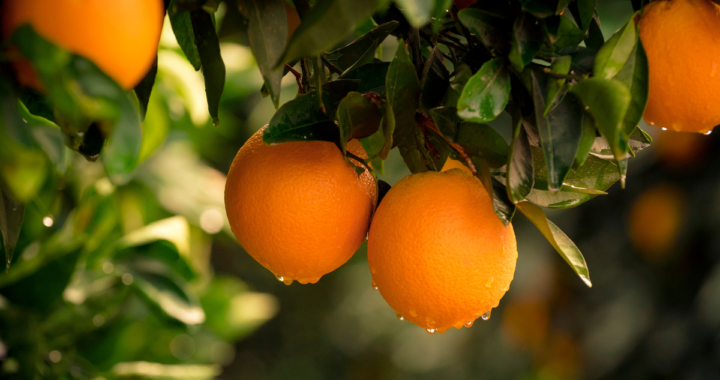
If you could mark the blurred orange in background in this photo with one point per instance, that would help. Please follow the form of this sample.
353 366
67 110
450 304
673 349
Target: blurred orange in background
655 219
681 150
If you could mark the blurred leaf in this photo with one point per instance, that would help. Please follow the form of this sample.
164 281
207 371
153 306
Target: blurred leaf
486 93
607 100
348 55
49 136
146 370
11 220
155 126
371 76
301 119
37 104
527 41
582 184
403 95
267 31
520 171
232 311
357 116
326 24
213 67
11 124
417 12
544 8
615 52
440 13
120 156
484 25
635 75
144 88
182 27
561 65
562 244
586 140
172 298
483 140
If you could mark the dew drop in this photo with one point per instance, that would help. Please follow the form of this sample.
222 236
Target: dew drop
442 330
489 283
486 316
374 285
664 129
400 317
708 133
431 331
413 313
287 280
279 278
468 324
430 322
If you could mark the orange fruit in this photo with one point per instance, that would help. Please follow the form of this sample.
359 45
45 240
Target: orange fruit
298 208
438 254
454 164
654 221
120 37
682 41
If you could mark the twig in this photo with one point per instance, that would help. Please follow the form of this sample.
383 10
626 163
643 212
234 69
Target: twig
298 77
305 74
562 76
424 119
331 66
415 38
452 44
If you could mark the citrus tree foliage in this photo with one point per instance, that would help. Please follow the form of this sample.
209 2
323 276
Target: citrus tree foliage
571 102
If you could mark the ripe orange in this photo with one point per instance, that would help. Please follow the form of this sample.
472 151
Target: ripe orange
298 208
438 254
655 220
682 41
121 37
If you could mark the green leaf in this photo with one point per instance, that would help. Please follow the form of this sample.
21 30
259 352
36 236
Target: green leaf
581 184
301 119
367 57
637 141
544 8
486 93
520 171
341 87
595 38
165 294
374 143
568 34
562 244
559 134
403 95
447 121
435 79
615 52
527 40
144 88
484 25
388 128
325 25
120 155
371 76
417 12
582 11
482 140
635 75
12 214
346 56
503 206
357 117
11 124
440 13
182 27
560 65
213 67
607 100
267 32
586 140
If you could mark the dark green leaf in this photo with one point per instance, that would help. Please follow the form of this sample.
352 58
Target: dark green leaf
595 39
447 121
301 119
635 76
346 56
326 24
482 140
568 34
37 104
586 140
582 11
543 8
388 128
560 65
435 79
11 124
403 95
527 41
615 52
562 244
12 214
440 13
144 89
182 27
367 57
485 26
267 32
559 135
213 68
504 207
582 184
357 117
607 100
520 171
371 76
486 94
341 87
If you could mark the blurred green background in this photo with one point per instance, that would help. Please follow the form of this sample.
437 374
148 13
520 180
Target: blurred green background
145 280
